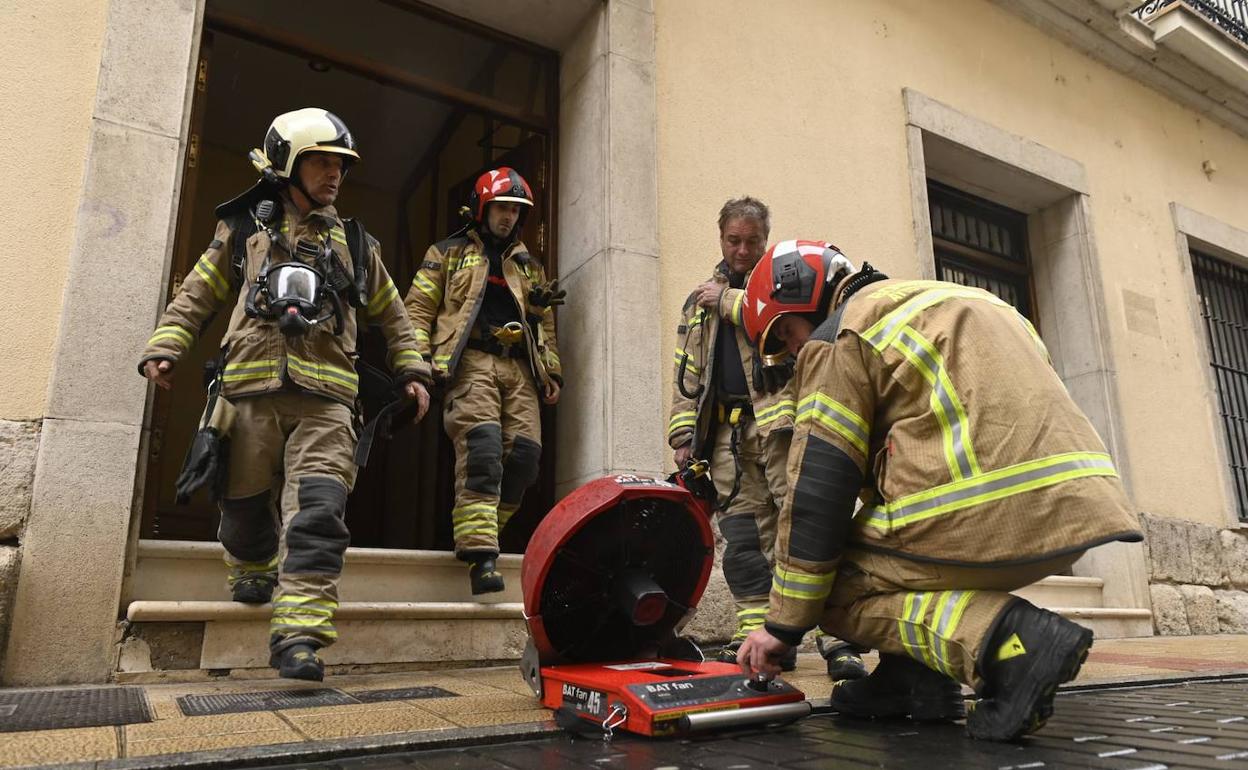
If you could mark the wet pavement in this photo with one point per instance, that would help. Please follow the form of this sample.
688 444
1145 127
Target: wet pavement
1187 725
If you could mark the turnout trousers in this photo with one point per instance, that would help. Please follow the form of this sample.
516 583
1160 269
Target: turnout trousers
291 467
940 615
748 522
492 416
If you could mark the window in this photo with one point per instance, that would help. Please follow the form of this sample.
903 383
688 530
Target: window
1222 290
979 243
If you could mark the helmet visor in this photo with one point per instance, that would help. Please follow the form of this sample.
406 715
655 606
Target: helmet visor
772 349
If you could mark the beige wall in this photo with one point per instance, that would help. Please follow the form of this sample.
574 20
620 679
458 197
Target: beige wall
812 121
50 60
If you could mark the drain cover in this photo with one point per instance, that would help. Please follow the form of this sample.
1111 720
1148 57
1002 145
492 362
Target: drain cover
53 709
406 693
234 703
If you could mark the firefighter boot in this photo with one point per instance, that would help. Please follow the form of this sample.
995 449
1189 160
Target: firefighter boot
1030 653
844 660
298 661
900 687
485 576
253 590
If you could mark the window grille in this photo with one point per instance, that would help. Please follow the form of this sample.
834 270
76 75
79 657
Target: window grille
1222 290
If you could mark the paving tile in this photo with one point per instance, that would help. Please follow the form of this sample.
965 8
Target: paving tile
478 704
368 722
521 716
217 724
187 743
46 747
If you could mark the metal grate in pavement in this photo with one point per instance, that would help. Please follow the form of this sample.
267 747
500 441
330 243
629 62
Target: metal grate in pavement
235 703
87 707
404 693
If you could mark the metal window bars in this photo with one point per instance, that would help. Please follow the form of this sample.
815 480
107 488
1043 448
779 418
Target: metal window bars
1231 16
1222 290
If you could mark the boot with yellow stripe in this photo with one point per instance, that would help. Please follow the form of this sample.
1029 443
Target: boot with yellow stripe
1029 654
298 661
484 575
898 688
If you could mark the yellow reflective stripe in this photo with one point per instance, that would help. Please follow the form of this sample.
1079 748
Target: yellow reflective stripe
698 319
338 234
473 509
172 333
689 367
954 425
782 408
323 372
430 288
208 271
836 417
801 585
880 334
404 358
945 622
252 566
682 420
442 359
421 335
990 486
250 370
384 296
735 313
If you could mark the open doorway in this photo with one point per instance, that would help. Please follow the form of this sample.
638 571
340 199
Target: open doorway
433 100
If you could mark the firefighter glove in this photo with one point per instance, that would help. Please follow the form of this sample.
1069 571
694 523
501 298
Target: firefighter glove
769 379
205 465
547 294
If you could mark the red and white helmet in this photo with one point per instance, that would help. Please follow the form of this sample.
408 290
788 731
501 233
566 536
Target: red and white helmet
792 277
502 184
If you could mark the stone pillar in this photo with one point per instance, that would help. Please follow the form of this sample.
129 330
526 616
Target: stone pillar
74 547
611 417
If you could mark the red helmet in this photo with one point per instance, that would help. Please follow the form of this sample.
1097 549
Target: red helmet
500 184
792 277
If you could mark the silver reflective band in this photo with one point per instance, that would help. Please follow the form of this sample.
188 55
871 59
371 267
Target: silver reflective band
293 282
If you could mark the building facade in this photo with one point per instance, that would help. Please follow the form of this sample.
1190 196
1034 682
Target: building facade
1085 159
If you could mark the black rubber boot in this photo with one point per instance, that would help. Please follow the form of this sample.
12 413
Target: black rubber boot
253 590
844 661
485 576
1029 654
298 661
900 687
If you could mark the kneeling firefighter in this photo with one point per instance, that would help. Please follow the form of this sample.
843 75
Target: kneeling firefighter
301 281
965 498
484 312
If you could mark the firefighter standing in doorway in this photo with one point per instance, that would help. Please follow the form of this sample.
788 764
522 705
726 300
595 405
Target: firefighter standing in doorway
937 403
484 312
281 259
723 408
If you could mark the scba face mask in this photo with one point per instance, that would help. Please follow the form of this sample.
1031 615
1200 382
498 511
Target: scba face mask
296 296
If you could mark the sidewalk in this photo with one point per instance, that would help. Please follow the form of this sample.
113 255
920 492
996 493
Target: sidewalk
372 713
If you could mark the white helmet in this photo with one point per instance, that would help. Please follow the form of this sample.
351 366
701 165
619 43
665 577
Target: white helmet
308 130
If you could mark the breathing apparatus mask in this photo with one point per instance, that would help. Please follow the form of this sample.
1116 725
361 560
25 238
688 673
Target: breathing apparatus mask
297 295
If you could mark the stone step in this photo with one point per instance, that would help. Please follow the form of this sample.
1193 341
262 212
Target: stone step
177 570
1110 622
1064 591
235 636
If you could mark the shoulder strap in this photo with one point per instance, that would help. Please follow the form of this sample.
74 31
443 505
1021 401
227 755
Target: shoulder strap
357 243
242 227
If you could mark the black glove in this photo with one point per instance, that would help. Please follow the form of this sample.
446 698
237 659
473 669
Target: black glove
206 464
769 379
547 294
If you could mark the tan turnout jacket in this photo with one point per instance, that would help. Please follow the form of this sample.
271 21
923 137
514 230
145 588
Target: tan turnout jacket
939 400
447 293
259 358
690 419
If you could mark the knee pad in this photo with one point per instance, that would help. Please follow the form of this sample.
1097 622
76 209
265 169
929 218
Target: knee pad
483 467
248 528
317 535
745 567
521 469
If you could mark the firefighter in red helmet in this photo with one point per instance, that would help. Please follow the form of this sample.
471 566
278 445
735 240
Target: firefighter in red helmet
484 315
937 404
